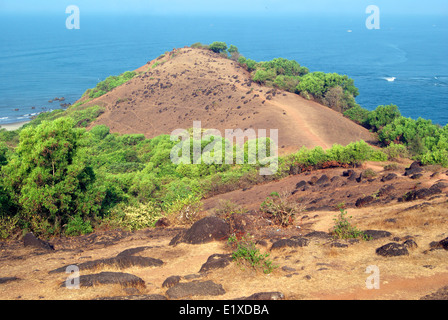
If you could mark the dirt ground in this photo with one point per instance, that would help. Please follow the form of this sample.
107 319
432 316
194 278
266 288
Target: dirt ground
318 271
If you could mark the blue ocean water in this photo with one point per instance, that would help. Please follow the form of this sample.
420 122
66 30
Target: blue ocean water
41 59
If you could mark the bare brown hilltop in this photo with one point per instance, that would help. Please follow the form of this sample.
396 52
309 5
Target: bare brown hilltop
189 85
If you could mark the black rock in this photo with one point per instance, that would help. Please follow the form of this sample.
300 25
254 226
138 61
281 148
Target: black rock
292 243
392 249
203 231
120 262
323 179
364 201
30 240
216 261
301 184
124 279
318 234
8 279
388 177
196 288
377 234
171 281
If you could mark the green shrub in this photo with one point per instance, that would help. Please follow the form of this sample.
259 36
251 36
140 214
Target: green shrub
282 210
382 116
218 46
110 83
246 253
136 217
343 229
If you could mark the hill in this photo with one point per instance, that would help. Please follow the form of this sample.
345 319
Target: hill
189 85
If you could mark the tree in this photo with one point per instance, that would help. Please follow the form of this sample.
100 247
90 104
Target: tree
47 178
234 53
218 46
382 116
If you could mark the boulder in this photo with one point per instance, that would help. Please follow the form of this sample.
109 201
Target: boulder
413 169
171 281
120 262
196 288
361 202
323 179
292 243
444 243
216 261
123 279
377 234
392 249
30 240
388 177
203 231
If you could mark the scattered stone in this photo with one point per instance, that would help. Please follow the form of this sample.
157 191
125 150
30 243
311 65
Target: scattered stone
203 231
385 190
171 281
288 269
444 243
313 180
388 177
319 235
121 262
30 240
392 249
441 294
364 201
301 184
132 251
413 169
196 288
339 245
348 173
421 193
123 279
410 244
323 179
8 279
216 261
264 296
416 176
292 243
377 234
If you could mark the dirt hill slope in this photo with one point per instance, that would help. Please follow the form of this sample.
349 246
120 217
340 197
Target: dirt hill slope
189 85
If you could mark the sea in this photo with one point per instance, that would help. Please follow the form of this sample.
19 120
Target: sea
404 62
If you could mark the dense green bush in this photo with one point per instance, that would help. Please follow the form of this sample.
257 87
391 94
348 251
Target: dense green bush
218 46
110 83
47 178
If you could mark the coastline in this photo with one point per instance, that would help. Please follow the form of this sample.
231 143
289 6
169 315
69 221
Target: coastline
13 126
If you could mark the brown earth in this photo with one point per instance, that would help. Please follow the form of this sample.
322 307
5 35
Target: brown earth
189 85
319 270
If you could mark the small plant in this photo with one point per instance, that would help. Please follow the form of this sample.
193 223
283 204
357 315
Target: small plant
282 210
343 229
226 209
186 210
137 217
246 252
